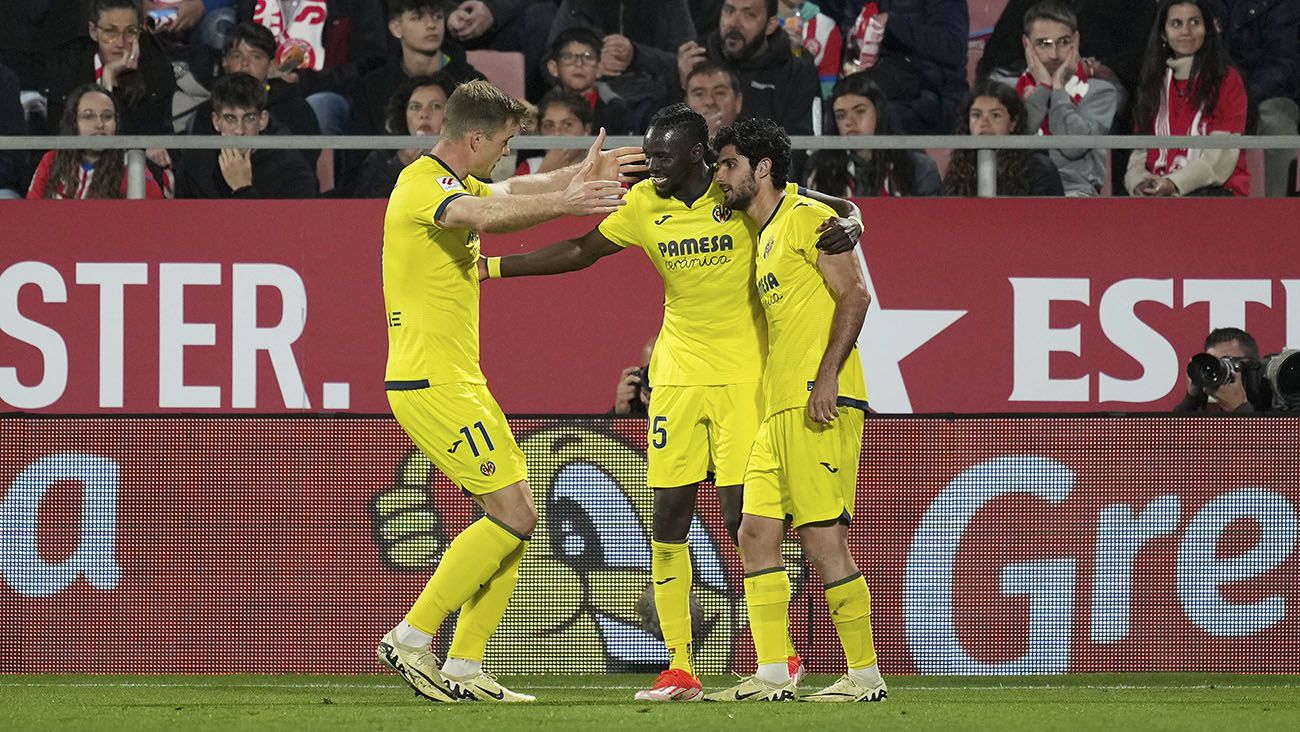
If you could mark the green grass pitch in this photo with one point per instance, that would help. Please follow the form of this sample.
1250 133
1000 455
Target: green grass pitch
1103 702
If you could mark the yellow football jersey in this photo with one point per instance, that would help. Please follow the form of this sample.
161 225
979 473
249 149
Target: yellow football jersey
799 306
713 330
431 286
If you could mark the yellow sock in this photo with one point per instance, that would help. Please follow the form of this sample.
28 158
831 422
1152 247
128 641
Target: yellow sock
767 597
471 560
480 616
790 650
850 604
670 568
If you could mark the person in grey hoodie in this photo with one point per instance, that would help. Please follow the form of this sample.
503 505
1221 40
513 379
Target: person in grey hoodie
1062 98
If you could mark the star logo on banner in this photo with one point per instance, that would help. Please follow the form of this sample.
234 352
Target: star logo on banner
889 336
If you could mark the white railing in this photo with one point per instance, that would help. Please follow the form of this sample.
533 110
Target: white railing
986 145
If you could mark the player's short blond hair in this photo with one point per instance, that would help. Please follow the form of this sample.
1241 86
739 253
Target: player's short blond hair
479 106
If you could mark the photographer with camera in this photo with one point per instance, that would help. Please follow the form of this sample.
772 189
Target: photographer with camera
632 398
1229 348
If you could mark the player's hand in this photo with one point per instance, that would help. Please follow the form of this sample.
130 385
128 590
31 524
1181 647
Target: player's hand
836 235
586 197
482 268
629 162
629 389
404 521
821 400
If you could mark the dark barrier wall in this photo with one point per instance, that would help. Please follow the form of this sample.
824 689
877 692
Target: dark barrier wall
142 545
980 306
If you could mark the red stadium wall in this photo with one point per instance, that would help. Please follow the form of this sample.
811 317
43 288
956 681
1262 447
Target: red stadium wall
1030 545
980 306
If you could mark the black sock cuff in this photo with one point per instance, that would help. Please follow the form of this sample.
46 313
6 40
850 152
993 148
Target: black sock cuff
844 581
765 571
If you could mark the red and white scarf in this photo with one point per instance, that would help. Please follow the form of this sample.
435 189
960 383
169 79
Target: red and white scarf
1181 120
305 30
1076 87
866 35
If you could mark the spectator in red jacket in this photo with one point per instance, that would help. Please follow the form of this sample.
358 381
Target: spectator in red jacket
1188 87
91 110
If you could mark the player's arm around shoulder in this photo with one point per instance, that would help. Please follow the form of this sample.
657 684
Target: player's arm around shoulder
842 231
496 214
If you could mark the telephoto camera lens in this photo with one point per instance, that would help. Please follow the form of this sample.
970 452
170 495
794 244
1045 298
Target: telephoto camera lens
1208 372
1283 372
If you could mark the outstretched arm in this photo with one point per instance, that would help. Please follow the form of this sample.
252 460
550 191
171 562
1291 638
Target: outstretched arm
502 213
844 276
622 163
564 256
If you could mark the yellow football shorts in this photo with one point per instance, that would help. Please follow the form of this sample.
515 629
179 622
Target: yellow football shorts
803 471
463 432
695 430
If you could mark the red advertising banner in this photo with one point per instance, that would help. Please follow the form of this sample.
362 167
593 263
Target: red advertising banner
991 546
979 306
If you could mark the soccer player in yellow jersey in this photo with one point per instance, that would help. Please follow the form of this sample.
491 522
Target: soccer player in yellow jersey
804 464
707 364
435 387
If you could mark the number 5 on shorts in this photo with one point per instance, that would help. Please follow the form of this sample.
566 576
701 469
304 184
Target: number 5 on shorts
659 434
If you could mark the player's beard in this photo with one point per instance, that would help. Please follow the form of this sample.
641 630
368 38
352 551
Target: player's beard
740 196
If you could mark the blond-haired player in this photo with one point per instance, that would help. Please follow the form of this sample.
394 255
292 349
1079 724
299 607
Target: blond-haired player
435 387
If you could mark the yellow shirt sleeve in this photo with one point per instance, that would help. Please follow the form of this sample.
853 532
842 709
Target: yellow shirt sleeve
447 188
807 216
624 227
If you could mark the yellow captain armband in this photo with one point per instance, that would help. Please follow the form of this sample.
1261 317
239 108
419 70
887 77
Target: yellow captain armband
494 268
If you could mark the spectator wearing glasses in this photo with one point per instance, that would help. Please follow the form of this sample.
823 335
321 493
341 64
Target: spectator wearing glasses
250 49
996 109
1188 87
1062 98
327 53
91 110
239 109
636 36
120 55
574 62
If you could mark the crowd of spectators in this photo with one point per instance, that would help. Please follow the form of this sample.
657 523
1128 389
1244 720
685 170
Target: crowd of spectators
838 67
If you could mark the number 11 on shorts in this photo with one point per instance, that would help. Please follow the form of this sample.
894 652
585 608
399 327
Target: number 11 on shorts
658 433
469 437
